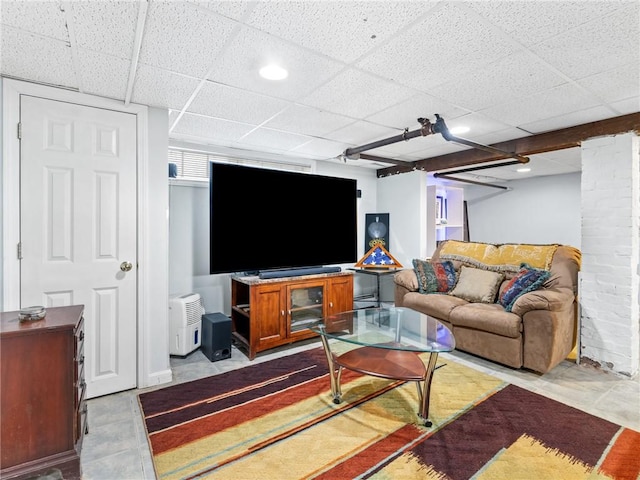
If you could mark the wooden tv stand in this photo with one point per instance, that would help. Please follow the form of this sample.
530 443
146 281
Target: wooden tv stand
267 313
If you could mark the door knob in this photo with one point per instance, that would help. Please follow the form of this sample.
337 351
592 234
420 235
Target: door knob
126 266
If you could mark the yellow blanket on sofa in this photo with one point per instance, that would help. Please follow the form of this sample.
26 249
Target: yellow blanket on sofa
506 257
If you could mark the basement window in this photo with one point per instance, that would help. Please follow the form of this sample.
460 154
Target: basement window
194 166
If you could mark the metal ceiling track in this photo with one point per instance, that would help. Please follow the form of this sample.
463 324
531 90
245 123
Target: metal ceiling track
448 174
427 128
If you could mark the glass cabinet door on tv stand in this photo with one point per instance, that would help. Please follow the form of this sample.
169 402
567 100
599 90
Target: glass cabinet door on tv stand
306 304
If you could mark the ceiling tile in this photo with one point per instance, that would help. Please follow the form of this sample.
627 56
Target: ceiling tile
341 30
499 136
251 50
103 75
449 42
268 138
356 94
361 133
543 105
478 125
105 27
630 105
221 101
44 18
570 157
307 120
435 148
405 114
236 9
531 22
414 147
615 85
33 57
161 88
202 127
612 40
508 78
181 38
319 148
568 120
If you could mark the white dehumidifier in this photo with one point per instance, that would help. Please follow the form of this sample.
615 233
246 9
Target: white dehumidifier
185 323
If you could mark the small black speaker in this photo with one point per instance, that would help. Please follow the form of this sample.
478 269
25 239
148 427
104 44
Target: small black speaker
216 336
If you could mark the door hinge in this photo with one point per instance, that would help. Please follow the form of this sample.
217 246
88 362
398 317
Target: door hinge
19 130
19 250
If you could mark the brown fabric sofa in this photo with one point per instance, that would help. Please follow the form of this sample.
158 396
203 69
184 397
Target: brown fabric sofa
540 330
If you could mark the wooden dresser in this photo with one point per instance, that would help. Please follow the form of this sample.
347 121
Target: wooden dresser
43 413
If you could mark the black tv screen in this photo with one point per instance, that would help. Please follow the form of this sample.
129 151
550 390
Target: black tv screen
264 219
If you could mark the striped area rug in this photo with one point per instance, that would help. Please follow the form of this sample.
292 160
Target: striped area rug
276 420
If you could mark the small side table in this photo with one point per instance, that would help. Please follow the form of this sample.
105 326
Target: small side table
378 273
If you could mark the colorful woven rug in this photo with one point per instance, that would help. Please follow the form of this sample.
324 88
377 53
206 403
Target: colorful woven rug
276 420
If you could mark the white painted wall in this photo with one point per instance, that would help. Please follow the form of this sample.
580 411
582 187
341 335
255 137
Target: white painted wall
610 323
537 210
405 198
154 328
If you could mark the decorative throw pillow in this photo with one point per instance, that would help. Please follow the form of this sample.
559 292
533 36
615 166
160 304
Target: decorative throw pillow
434 277
475 285
526 280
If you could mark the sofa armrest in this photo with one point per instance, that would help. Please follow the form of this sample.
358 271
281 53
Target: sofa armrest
552 299
407 279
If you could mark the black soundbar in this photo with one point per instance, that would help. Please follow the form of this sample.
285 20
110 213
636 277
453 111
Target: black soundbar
294 272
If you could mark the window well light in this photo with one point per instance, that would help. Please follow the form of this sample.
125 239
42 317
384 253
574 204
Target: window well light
458 130
273 72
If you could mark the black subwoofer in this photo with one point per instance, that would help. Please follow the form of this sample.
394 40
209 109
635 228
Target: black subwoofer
216 336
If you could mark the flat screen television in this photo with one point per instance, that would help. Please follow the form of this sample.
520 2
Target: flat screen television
264 219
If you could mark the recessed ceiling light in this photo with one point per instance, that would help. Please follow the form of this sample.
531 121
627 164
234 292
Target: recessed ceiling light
523 170
458 130
273 72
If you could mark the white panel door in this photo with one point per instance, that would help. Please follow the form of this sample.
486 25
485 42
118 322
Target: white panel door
78 228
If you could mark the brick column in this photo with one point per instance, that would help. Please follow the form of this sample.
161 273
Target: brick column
609 286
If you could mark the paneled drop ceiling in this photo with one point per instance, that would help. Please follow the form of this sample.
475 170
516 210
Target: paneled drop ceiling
358 71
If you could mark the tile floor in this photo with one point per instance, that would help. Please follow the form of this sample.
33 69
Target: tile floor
116 447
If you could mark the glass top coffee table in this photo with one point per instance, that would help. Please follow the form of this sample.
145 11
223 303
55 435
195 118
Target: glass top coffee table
389 341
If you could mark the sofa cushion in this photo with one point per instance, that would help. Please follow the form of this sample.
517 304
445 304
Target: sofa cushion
434 277
475 285
526 280
433 304
488 317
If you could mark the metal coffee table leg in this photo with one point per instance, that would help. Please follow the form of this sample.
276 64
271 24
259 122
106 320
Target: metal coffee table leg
335 372
424 393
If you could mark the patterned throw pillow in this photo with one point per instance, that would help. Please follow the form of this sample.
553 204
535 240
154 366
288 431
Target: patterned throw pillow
437 277
526 280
